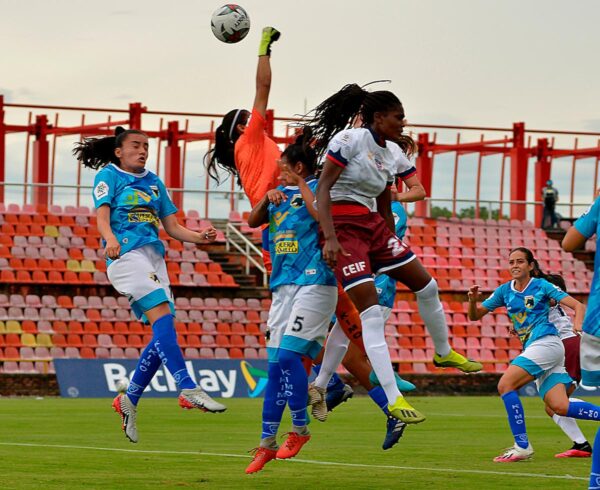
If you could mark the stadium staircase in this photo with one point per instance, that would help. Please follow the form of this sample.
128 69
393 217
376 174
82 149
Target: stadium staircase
55 299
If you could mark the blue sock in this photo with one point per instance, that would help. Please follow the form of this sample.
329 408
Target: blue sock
296 385
516 418
583 410
165 341
378 396
274 402
144 372
335 383
595 473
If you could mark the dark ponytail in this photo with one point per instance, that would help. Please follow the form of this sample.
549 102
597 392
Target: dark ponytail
337 112
222 154
340 111
302 151
557 280
99 152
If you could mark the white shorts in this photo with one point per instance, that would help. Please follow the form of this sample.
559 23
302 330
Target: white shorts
544 359
299 319
386 312
141 275
590 359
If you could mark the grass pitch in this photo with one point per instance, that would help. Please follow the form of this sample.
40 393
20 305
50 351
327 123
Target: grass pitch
62 444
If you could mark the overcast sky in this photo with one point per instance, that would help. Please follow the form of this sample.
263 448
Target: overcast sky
483 62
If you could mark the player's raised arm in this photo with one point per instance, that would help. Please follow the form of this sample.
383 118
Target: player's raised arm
263 70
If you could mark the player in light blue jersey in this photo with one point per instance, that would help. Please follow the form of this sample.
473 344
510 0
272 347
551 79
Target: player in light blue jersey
131 202
585 227
527 300
304 299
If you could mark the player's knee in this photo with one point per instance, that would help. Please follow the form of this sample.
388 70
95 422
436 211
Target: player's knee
504 386
559 407
431 290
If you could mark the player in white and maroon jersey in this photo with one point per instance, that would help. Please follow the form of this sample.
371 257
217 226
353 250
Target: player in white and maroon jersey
354 203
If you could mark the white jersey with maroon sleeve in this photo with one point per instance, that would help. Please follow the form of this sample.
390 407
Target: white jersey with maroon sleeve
561 321
369 163
404 168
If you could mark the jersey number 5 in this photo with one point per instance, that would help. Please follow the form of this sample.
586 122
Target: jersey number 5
298 324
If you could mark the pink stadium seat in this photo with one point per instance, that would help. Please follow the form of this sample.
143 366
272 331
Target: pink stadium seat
221 353
117 353
132 353
208 353
191 353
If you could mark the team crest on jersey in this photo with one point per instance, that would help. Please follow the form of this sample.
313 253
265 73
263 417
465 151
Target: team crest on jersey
154 189
154 277
296 201
529 302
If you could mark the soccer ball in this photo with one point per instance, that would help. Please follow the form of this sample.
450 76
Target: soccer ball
122 385
230 23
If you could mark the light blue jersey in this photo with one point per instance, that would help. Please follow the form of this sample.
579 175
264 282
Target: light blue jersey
385 285
137 203
588 225
294 242
527 309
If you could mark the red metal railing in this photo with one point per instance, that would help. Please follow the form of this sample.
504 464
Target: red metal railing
462 146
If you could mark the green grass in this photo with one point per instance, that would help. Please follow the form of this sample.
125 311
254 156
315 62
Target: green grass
453 449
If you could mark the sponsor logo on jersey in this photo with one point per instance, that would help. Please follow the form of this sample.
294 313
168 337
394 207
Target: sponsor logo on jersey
136 196
310 272
101 190
278 217
142 215
286 247
519 317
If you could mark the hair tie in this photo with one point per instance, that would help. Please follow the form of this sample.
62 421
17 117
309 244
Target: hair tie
237 114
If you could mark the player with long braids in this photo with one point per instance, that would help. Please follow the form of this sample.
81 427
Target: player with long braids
353 198
244 150
131 203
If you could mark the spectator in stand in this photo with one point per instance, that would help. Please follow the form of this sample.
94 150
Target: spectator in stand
550 198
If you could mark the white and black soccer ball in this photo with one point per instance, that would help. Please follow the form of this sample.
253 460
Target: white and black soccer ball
121 385
230 23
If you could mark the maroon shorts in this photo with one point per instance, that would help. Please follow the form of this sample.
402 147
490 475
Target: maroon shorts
572 364
373 248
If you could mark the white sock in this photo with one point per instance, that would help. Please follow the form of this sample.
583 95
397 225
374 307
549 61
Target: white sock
377 351
335 350
432 312
570 428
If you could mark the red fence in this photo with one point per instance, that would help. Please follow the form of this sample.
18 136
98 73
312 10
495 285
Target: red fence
518 146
